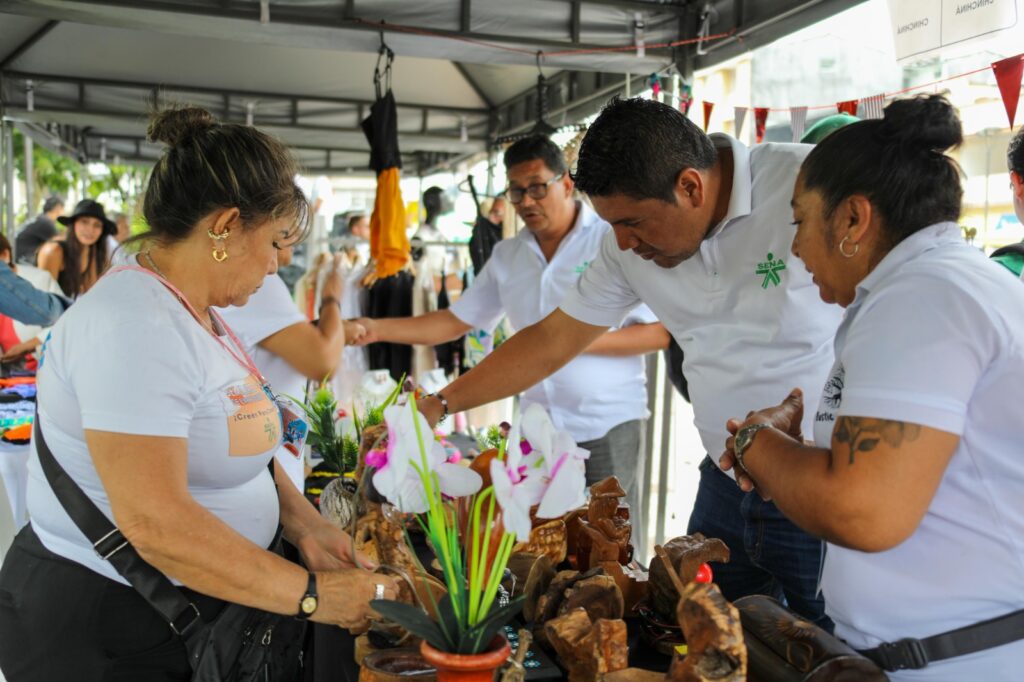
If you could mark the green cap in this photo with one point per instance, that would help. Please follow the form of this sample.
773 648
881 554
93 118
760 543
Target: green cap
826 126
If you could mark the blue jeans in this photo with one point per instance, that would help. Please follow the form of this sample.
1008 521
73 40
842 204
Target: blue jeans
768 553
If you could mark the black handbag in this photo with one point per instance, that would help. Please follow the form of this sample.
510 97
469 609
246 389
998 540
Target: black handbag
241 644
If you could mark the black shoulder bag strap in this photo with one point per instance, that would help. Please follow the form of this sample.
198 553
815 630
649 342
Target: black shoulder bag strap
108 542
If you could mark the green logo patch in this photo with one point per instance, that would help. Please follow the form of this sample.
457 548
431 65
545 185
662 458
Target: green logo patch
770 269
582 266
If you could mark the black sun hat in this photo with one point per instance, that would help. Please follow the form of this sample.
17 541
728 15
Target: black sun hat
93 209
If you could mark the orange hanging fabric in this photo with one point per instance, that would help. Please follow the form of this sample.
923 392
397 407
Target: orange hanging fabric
389 245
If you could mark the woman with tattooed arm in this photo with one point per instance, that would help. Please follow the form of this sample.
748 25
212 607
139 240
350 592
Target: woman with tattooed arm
915 475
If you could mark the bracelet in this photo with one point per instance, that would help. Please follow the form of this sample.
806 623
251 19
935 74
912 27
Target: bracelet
329 300
444 404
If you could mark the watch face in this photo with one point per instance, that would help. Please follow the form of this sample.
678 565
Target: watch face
308 605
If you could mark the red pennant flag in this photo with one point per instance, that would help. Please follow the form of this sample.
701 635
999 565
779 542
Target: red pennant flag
847 107
1008 76
760 118
708 106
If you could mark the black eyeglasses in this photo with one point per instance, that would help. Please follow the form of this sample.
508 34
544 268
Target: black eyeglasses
537 191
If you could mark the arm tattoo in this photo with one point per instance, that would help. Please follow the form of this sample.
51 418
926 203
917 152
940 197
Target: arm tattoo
862 434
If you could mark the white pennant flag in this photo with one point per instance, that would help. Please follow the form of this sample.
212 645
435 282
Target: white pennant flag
741 114
871 107
798 120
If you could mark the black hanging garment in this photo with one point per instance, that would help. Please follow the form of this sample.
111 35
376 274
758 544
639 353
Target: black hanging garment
391 297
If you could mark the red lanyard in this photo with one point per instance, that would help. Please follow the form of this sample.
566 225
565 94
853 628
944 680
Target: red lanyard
241 357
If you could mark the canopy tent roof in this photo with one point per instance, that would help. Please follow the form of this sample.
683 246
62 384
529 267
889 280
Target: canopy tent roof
465 70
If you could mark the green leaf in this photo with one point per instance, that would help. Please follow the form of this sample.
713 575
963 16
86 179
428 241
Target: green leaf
412 619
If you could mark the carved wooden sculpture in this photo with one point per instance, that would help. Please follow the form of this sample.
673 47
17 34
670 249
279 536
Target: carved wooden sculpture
686 554
604 533
599 596
714 638
588 649
539 578
548 538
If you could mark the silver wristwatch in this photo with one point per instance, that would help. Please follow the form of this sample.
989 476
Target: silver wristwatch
743 440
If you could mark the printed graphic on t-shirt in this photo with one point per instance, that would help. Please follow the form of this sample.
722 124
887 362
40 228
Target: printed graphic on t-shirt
254 423
770 269
832 396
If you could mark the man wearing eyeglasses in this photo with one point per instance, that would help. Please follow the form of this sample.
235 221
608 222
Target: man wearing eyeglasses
600 397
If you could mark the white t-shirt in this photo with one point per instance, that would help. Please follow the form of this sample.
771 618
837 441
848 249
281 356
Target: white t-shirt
935 336
129 358
267 312
593 393
744 310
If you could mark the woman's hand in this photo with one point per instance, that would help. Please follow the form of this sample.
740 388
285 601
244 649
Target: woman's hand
326 548
19 350
345 594
786 417
354 333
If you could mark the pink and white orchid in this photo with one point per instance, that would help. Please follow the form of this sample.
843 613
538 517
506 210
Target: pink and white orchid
562 461
517 486
400 478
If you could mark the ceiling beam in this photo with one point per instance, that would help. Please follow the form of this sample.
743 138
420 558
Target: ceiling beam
252 94
27 44
636 5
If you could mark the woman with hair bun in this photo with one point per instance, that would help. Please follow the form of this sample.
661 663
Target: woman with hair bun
915 475
154 410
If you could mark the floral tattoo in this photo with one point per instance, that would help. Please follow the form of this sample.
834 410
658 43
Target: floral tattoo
861 434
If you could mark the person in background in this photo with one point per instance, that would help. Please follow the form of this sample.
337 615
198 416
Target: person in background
1012 257
23 339
915 474
600 397
78 258
287 348
496 211
124 227
826 126
359 226
151 407
38 231
22 301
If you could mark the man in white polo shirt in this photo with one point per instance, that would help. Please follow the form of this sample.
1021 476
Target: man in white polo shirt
701 234
600 397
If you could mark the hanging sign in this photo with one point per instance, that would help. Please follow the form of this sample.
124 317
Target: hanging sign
920 26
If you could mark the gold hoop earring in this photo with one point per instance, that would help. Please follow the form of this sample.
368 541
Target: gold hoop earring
856 248
220 253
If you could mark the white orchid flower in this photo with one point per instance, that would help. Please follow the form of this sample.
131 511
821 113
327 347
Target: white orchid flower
401 478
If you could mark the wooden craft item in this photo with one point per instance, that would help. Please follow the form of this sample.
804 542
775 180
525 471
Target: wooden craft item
716 651
632 675
548 538
573 529
599 596
604 534
542 572
784 646
516 671
520 564
684 554
588 649
632 582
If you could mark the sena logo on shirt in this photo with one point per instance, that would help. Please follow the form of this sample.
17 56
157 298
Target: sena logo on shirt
254 422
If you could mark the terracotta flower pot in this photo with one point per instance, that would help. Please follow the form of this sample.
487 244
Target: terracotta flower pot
468 667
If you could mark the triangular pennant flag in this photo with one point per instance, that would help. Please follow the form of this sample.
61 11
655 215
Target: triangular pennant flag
1008 75
847 107
741 115
708 106
872 107
798 120
760 118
